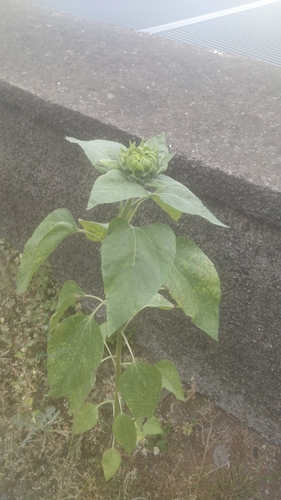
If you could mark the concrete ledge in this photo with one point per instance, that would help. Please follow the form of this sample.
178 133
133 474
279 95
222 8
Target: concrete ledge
62 76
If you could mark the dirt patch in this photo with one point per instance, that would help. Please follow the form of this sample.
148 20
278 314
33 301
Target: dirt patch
203 454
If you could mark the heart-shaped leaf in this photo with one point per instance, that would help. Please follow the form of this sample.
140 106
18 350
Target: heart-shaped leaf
110 463
70 293
170 378
78 395
74 352
135 263
140 388
46 237
124 431
179 197
114 186
194 284
85 418
100 150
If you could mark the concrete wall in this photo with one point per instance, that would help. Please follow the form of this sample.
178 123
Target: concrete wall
62 76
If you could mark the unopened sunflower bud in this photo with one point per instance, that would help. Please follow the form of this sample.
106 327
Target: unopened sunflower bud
139 163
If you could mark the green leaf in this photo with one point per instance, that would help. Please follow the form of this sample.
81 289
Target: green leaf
172 212
114 186
69 295
159 142
46 237
124 431
74 352
85 418
159 301
110 463
194 284
78 395
104 165
170 378
140 388
165 160
135 264
94 231
152 426
178 196
99 150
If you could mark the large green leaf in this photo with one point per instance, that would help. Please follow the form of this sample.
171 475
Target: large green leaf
85 418
135 263
124 431
110 463
94 231
140 388
194 284
78 395
112 187
46 237
74 352
178 196
100 150
69 295
170 378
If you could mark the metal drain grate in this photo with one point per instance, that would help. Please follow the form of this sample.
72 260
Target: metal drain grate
138 14
254 33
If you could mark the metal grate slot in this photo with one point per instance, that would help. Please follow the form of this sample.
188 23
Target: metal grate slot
254 33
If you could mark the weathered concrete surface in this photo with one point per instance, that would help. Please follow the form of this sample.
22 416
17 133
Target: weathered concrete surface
62 76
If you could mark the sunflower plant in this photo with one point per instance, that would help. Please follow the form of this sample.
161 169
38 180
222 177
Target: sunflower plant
141 267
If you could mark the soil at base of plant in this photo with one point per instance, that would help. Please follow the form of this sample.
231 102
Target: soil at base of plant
203 454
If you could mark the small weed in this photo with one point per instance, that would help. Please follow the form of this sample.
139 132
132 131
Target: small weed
189 427
35 422
159 441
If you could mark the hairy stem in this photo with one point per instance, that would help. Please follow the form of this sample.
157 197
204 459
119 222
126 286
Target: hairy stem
98 307
135 206
120 208
127 209
93 297
110 354
128 344
117 408
105 359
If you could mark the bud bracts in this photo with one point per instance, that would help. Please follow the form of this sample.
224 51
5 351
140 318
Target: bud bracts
139 163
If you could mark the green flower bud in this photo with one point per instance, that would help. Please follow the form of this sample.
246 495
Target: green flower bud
139 163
